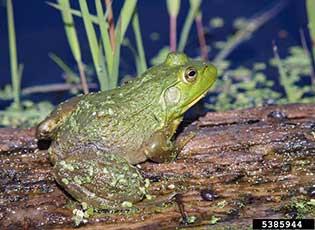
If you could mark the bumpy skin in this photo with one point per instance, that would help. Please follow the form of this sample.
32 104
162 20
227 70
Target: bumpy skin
98 137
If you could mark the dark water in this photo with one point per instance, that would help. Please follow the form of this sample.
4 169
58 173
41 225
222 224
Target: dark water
39 30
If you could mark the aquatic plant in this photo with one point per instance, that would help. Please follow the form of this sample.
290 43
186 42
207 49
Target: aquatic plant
27 115
73 41
20 113
292 69
310 7
243 87
173 9
248 87
106 53
16 69
192 13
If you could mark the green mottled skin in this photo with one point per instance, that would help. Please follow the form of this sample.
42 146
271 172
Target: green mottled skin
99 136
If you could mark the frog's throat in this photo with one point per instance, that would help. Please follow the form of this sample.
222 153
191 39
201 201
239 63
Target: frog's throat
194 101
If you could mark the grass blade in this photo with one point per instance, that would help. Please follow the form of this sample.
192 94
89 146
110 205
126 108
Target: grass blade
73 40
126 14
141 56
103 66
201 37
310 7
65 68
108 51
116 59
20 74
74 12
193 10
173 9
94 48
110 21
70 29
244 34
15 78
284 79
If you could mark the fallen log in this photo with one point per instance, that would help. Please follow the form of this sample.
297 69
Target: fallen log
238 165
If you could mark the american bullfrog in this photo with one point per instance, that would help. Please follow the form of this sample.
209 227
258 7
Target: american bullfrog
97 138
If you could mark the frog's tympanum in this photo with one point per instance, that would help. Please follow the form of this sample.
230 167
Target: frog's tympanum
98 137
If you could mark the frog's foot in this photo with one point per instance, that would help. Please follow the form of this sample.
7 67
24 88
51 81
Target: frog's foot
102 180
159 148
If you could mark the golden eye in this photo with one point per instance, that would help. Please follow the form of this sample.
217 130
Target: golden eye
190 74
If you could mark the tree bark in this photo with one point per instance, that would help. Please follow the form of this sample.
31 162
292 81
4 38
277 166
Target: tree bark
236 166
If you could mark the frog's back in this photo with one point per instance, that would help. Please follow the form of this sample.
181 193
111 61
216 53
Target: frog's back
118 120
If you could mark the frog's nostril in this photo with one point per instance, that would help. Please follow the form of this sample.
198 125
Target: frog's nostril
206 68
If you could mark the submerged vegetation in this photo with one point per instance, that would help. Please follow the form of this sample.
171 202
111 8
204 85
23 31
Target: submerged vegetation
241 87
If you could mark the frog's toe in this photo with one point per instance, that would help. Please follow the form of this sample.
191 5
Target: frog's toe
101 180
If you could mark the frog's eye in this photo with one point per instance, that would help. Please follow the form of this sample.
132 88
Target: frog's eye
190 74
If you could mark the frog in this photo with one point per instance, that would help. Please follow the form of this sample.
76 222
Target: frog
98 139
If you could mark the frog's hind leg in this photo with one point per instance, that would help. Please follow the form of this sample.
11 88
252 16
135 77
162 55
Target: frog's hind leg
101 180
47 127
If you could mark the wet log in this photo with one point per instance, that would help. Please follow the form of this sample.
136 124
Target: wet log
238 165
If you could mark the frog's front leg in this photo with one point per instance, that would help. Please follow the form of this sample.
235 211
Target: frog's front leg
100 179
159 148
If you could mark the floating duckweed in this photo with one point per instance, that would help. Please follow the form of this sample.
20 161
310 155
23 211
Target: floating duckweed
126 204
242 71
216 22
154 36
259 66
240 23
219 44
65 181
